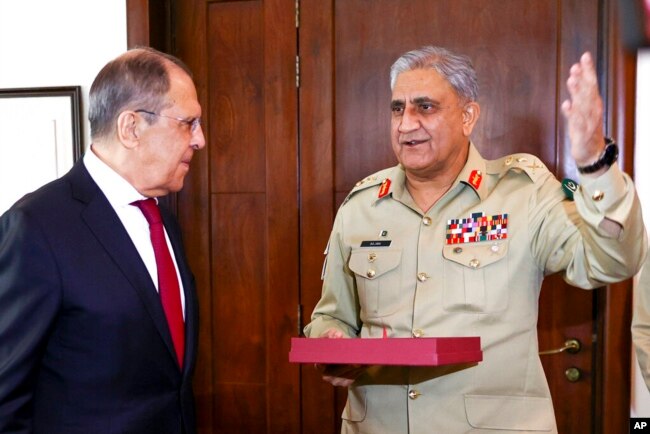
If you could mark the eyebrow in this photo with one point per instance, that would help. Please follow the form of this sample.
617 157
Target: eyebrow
425 99
416 100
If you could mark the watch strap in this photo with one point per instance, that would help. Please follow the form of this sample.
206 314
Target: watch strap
606 159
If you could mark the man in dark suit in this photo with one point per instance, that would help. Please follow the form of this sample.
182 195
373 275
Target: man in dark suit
98 334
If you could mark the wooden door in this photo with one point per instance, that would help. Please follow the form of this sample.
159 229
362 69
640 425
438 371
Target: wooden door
239 211
259 202
522 51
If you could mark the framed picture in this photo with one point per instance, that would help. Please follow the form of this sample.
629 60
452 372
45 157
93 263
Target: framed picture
40 138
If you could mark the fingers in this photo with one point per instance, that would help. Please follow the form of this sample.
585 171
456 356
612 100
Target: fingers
342 375
337 381
338 375
583 111
582 81
332 334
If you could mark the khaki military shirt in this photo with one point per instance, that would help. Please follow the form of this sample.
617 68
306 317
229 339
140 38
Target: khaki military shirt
641 321
393 269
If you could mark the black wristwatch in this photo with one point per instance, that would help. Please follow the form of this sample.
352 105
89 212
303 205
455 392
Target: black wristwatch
606 159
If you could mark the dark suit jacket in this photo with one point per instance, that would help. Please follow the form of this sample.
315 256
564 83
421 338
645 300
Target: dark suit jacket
84 344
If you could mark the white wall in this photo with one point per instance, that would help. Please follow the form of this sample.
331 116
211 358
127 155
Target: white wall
640 394
45 43
59 43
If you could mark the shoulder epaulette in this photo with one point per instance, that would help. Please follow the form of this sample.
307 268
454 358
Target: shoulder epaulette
525 163
367 182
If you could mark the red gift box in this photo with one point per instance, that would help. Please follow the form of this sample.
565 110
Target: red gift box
387 351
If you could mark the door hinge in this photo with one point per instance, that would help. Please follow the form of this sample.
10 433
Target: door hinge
297 71
297 14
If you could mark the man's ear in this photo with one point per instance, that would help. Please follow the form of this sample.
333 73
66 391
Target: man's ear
471 113
127 129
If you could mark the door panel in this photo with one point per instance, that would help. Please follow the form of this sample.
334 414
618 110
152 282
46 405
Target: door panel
239 211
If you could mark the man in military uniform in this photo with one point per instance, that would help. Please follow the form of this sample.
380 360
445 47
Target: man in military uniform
449 244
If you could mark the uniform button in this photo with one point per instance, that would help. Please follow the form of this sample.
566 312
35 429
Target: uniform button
458 250
372 256
494 248
422 277
598 195
418 333
370 273
413 394
474 263
426 221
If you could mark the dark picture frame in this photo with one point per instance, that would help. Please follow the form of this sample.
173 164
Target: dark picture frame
72 92
40 137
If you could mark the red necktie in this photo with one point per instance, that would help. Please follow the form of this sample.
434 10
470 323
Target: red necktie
170 293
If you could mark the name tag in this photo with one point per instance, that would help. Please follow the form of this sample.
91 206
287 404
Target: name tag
378 243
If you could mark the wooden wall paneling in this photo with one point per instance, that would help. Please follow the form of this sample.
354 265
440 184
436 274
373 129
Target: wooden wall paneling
316 44
236 59
239 309
616 303
137 22
149 24
239 220
194 208
576 33
281 135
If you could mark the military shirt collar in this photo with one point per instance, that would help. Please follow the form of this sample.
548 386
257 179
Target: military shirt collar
473 173
397 188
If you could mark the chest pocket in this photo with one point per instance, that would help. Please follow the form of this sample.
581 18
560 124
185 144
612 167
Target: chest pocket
377 274
476 277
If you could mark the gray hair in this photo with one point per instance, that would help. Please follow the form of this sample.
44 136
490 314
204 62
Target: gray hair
457 69
137 79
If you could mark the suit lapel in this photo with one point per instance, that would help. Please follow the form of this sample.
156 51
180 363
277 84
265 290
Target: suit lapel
109 231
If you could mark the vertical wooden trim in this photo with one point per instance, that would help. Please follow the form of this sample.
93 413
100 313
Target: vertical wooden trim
194 212
137 22
317 203
613 391
281 132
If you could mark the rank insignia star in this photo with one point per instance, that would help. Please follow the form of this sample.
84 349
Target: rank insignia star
535 165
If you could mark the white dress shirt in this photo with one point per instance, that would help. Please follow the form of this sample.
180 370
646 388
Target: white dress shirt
120 194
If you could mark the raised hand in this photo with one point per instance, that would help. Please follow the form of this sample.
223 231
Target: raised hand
584 112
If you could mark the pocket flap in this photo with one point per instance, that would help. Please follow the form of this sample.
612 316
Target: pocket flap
476 255
355 408
522 413
371 264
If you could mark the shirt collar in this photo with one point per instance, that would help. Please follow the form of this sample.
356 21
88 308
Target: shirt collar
473 173
118 191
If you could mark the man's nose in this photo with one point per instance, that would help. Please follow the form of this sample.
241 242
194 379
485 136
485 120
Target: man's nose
409 121
198 139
